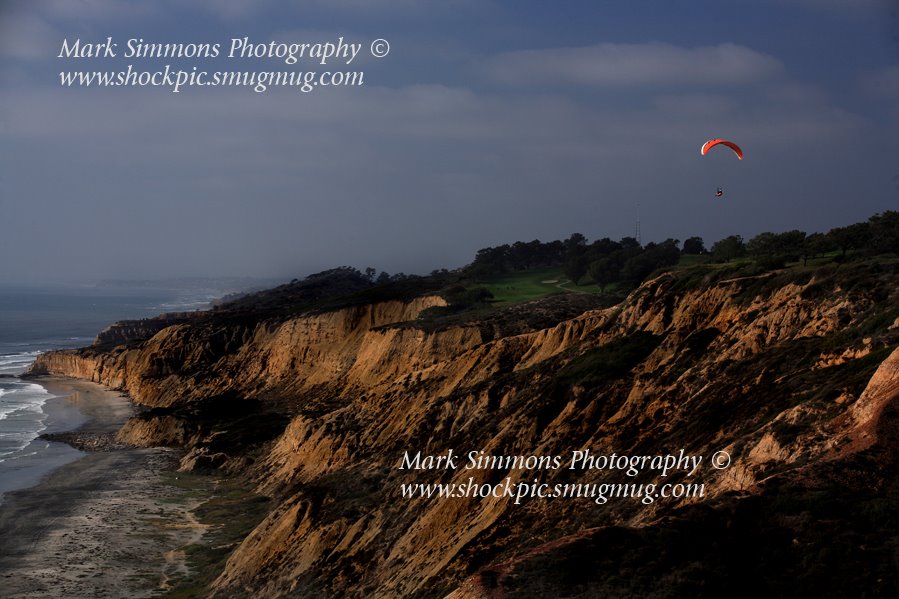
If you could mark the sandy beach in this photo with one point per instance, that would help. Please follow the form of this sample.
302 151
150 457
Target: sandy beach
105 525
105 410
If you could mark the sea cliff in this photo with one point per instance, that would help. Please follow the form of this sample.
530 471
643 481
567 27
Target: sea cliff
792 373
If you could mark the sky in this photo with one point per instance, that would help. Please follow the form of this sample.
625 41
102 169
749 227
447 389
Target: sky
488 122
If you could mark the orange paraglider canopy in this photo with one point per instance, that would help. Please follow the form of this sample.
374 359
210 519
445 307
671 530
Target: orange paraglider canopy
714 142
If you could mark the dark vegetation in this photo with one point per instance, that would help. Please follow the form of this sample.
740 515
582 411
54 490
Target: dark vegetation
333 289
608 362
610 267
625 261
512 319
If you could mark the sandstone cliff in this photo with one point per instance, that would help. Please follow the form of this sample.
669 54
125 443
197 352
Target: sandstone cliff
182 363
772 369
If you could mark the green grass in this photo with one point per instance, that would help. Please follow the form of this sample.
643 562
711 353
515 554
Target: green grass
687 260
529 285
692 270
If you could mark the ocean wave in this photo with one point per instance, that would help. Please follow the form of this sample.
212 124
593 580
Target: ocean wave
14 369
23 437
14 361
35 388
22 416
18 358
9 410
22 398
7 358
20 456
17 363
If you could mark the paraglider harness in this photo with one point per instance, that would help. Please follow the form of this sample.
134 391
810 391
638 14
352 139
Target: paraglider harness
719 192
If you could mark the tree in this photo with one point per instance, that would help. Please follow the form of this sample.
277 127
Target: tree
885 232
785 246
849 238
604 246
636 269
601 248
653 257
605 271
761 244
666 253
694 246
790 243
575 268
575 245
729 248
521 255
490 261
629 243
814 245
553 252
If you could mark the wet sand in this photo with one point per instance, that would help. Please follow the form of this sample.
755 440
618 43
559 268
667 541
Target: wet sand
105 410
106 525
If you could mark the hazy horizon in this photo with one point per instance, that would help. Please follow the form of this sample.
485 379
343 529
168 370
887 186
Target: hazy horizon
487 123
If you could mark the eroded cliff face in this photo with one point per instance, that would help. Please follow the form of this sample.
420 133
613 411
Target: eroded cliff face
189 362
769 370
821 528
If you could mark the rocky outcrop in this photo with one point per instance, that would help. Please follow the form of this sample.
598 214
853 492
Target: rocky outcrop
865 414
155 431
86 441
129 331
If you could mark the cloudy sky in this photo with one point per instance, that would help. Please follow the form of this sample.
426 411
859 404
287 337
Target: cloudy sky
488 122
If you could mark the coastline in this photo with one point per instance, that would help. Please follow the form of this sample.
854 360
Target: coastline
104 410
106 524
75 407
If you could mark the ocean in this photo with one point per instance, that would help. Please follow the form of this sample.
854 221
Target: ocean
37 319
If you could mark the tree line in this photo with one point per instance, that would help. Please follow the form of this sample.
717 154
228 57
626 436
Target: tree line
626 261
878 235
